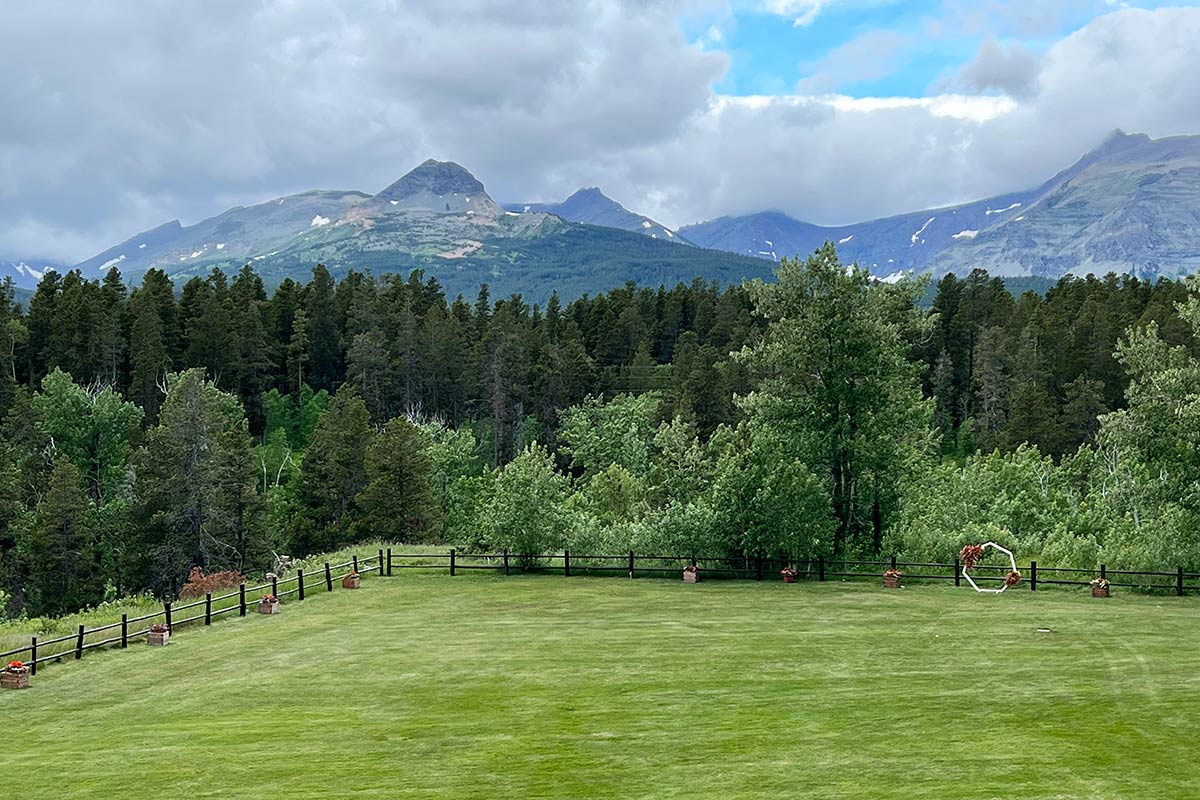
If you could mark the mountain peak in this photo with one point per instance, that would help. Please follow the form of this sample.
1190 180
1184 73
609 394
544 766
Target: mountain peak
1120 140
438 178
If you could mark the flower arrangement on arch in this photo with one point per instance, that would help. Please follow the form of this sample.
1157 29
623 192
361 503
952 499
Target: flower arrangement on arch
16 667
1012 579
970 554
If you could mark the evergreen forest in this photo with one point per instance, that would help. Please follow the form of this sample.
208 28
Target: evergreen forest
151 429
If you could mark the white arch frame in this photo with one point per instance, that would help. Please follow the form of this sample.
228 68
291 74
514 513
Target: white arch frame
1011 558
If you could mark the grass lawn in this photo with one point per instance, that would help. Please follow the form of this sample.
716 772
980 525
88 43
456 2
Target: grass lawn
490 687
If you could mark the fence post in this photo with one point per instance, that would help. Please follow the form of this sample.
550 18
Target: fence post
820 568
79 645
275 586
33 657
1179 581
167 615
242 600
893 560
208 608
124 631
566 563
957 573
300 583
506 561
380 562
451 562
1033 576
758 567
328 577
1104 571
631 564
355 560
389 562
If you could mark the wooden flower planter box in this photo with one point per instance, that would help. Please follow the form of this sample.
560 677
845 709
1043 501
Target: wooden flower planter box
268 608
158 638
891 581
691 577
1101 591
14 680
351 582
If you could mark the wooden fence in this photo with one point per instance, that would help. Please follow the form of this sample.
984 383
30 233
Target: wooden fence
759 568
207 609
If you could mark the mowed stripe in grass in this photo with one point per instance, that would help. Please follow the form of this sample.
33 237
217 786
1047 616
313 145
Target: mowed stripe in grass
540 686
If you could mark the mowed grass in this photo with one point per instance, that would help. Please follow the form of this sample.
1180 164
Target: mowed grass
489 687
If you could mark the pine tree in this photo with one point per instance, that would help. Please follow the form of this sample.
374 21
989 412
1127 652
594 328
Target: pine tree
397 501
148 354
60 558
196 482
297 351
331 476
324 345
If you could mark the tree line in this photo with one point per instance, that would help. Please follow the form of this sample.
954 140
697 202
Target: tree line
149 431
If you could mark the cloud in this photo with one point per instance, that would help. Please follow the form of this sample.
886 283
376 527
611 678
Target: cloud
1012 69
119 117
802 12
870 56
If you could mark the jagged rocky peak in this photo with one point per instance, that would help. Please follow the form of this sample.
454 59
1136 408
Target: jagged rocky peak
437 186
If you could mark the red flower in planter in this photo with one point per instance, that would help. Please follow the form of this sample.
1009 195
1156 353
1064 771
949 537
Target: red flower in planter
691 568
15 666
270 598
158 627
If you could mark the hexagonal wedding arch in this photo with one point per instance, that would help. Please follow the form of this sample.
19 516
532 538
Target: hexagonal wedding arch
1012 560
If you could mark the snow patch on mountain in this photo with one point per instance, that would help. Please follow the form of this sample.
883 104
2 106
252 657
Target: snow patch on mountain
917 235
968 234
991 211
318 221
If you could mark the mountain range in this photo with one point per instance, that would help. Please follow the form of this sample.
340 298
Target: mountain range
1132 205
438 218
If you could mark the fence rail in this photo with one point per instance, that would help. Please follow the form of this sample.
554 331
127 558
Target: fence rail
758 568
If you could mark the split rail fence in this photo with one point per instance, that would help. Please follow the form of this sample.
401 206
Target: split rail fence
759 568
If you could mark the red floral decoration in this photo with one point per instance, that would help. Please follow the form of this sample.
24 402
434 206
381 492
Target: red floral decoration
158 627
1012 579
970 554
15 666
691 568
270 598
892 573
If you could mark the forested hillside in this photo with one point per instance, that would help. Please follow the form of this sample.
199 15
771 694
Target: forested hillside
147 432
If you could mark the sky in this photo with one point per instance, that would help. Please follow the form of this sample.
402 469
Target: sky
120 116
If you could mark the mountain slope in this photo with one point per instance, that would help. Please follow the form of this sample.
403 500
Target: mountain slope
438 218
26 272
1131 205
593 207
